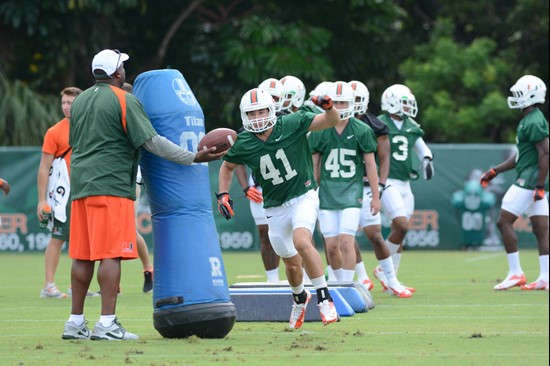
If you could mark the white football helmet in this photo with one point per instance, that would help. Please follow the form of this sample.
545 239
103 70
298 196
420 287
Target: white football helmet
362 96
253 100
398 99
276 89
320 89
340 91
528 90
295 92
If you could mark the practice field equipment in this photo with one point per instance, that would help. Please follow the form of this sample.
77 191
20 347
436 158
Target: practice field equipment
190 294
259 301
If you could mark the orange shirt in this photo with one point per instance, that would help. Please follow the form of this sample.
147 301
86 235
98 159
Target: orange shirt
56 141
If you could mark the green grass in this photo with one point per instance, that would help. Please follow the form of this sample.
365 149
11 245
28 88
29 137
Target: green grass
455 318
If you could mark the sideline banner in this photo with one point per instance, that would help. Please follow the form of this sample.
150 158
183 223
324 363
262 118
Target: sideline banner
438 221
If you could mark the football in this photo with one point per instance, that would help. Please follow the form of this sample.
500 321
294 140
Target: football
221 138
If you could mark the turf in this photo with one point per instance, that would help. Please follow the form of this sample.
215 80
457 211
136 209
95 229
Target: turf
455 318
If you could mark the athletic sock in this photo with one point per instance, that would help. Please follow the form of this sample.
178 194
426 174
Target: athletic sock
107 320
387 268
396 258
272 275
306 277
338 274
543 260
514 264
78 319
392 247
361 272
347 275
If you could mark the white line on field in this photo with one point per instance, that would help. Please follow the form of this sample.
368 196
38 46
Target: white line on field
483 257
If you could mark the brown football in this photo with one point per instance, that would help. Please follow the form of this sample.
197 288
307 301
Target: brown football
221 138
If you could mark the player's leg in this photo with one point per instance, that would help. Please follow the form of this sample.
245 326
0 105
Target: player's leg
145 259
348 223
51 260
328 224
539 222
269 258
515 202
360 270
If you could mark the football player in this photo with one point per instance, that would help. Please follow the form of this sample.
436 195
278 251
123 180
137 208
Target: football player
341 156
277 151
253 191
527 194
371 224
295 93
405 135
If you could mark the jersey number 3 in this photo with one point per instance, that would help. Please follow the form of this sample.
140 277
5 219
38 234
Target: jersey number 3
403 148
269 172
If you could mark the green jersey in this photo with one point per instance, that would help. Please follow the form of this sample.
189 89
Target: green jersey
342 164
532 129
282 164
107 127
402 142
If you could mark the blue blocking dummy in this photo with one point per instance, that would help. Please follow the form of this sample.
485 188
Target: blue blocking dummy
190 294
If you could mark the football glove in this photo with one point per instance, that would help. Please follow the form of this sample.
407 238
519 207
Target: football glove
538 193
323 101
4 186
428 168
253 194
225 205
487 177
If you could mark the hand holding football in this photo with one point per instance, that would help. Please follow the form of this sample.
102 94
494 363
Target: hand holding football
221 138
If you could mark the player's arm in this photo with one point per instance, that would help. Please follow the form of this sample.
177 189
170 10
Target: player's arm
383 150
166 149
509 164
425 155
542 150
4 186
372 176
42 181
316 157
329 119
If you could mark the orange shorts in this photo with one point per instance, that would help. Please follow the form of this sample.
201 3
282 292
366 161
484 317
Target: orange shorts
102 227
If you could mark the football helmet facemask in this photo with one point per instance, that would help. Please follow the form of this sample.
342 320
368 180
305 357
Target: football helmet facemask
340 91
362 96
295 92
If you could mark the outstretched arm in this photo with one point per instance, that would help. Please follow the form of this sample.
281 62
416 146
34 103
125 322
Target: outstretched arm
161 146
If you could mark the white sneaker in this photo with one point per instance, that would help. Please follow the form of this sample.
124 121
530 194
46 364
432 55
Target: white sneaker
328 312
52 291
539 284
397 289
511 281
114 332
381 276
298 313
74 331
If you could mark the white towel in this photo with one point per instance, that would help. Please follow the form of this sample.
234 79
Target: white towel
59 190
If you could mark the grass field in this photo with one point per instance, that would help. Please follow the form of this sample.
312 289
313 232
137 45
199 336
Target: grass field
455 318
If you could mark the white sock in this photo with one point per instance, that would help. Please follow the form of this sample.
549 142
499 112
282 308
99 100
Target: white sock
50 284
361 272
392 247
396 258
297 290
338 274
319 282
347 275
387 268
107 320
513 263
331 274
543 260
78 319
272 275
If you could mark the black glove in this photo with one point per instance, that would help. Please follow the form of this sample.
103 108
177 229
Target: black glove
225 205
428 168
487 177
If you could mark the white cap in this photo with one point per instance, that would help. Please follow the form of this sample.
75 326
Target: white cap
108 61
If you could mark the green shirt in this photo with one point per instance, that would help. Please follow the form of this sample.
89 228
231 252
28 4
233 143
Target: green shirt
282 164
402 142
532 129
105 146
342 164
